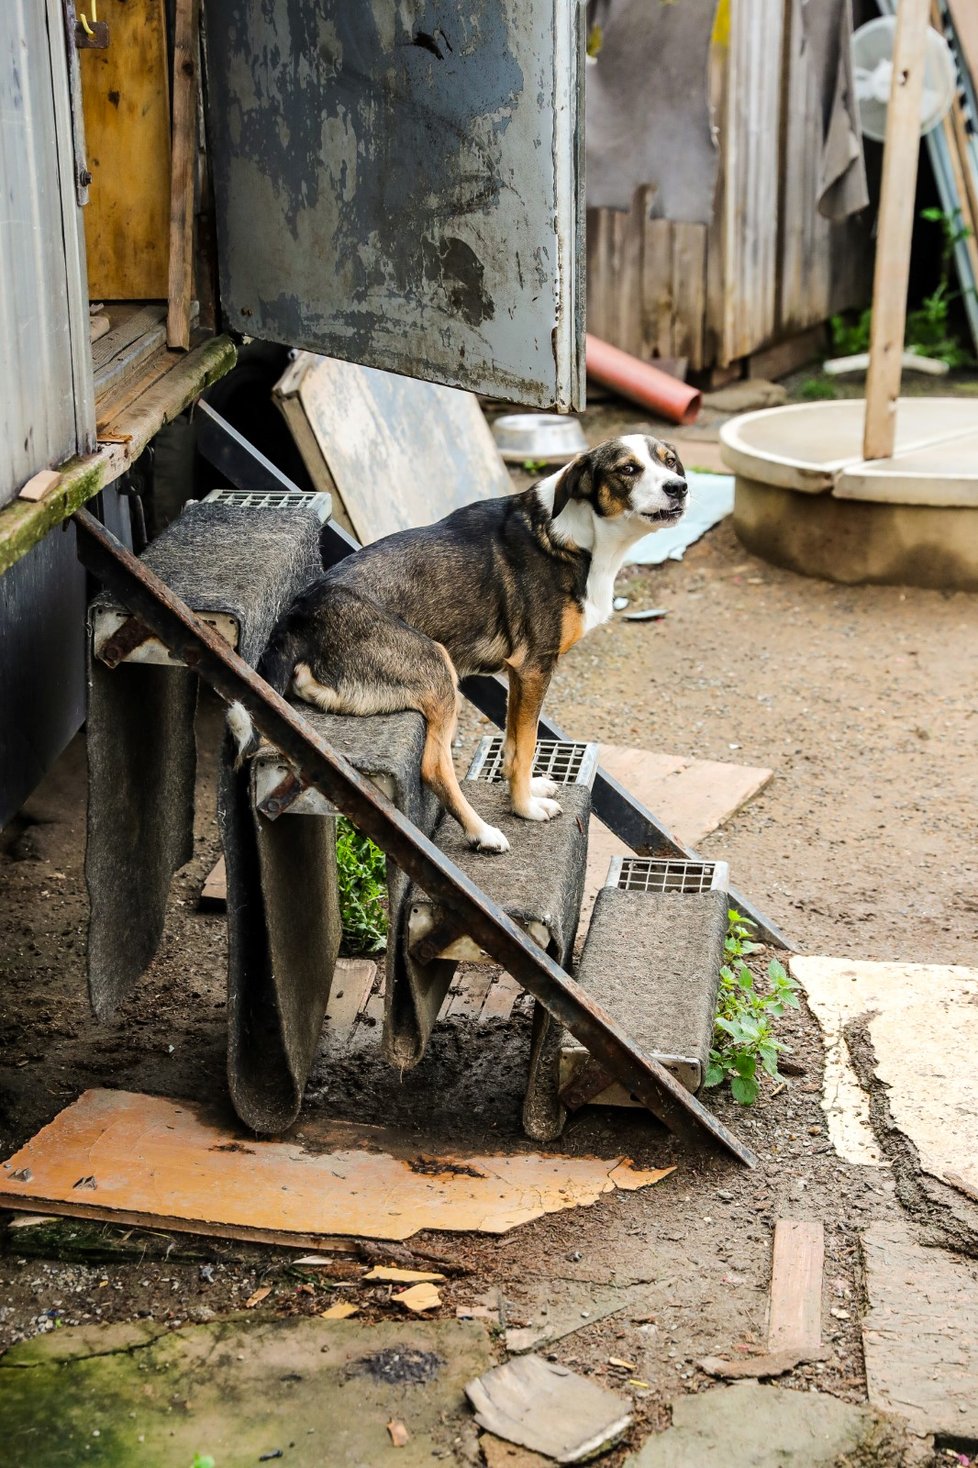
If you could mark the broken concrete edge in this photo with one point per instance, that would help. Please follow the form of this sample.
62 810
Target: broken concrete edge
948 1216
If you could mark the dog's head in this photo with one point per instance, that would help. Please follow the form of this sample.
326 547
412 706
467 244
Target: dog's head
635 479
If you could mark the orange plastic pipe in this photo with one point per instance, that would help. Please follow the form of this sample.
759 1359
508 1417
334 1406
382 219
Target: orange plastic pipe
642 382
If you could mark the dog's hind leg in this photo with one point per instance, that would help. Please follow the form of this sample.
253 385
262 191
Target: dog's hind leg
440 708
530 797
404 669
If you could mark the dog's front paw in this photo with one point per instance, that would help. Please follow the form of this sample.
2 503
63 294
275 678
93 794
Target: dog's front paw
488 839
543 788
538 810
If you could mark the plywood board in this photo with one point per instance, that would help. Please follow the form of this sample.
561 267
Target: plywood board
125 1157
399 452
126 97
691 797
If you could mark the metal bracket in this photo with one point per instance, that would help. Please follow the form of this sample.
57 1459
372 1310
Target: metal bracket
150 599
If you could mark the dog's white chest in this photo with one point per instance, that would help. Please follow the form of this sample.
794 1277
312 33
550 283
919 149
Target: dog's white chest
600 595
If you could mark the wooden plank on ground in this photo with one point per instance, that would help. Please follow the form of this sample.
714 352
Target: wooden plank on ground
349 994
214 892
126 96
795 1319
503 994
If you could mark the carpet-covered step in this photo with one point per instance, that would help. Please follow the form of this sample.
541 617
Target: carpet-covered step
237 566
235 558
536 882
539 883
652 958
386 748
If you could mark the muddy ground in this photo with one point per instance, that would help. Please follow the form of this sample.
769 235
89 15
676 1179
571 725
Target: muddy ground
862 702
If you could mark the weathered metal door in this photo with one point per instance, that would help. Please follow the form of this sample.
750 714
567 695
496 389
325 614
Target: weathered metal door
398 183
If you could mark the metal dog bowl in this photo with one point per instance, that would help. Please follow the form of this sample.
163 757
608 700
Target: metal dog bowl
542 437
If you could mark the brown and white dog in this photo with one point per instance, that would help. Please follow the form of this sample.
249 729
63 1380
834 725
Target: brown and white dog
505 583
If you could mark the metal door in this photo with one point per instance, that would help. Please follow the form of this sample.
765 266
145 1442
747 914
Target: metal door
398 183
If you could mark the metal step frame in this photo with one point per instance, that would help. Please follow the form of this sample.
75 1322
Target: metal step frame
231 453
218 665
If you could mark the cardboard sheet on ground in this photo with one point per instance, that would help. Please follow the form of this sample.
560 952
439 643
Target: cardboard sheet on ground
692 797
395 452
923 1025
125 1157
711 499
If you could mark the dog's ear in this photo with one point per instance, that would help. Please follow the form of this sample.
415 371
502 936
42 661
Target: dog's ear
573 484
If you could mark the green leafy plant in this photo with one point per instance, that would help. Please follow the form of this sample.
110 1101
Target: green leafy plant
743 1034
362 869
849 338
818 388
928 331
534 466
202 1460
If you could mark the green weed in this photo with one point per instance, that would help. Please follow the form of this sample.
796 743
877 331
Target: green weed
928 331
743 1035
362 869
534 466
818 388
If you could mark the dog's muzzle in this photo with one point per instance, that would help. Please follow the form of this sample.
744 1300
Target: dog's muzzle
677 492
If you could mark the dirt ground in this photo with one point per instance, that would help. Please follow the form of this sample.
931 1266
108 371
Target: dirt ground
862 702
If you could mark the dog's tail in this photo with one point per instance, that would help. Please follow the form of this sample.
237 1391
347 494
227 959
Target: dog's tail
276 665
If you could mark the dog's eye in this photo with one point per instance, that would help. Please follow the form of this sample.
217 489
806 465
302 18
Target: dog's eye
628 469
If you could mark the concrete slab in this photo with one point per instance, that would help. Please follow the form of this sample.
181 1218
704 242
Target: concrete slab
919 1336
239 1391
750 1426
923 1027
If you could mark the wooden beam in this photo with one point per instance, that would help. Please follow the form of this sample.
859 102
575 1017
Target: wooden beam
23 523
186 62
895 229
795 1321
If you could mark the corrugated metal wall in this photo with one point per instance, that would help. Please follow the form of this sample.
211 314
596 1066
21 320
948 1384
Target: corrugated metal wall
46 405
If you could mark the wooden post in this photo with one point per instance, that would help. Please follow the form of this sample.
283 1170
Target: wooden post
186 64
895 229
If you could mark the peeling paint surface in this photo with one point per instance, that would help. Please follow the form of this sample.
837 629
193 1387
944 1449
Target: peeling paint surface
392 184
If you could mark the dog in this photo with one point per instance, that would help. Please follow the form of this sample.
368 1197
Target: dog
507 583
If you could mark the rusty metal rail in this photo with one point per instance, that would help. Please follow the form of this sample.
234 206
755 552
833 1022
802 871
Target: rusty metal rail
319 765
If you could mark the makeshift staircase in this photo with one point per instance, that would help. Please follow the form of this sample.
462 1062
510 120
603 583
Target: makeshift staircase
639 1013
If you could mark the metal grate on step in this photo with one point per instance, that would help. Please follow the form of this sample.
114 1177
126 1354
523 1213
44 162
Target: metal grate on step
659 874
245 499
562 761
